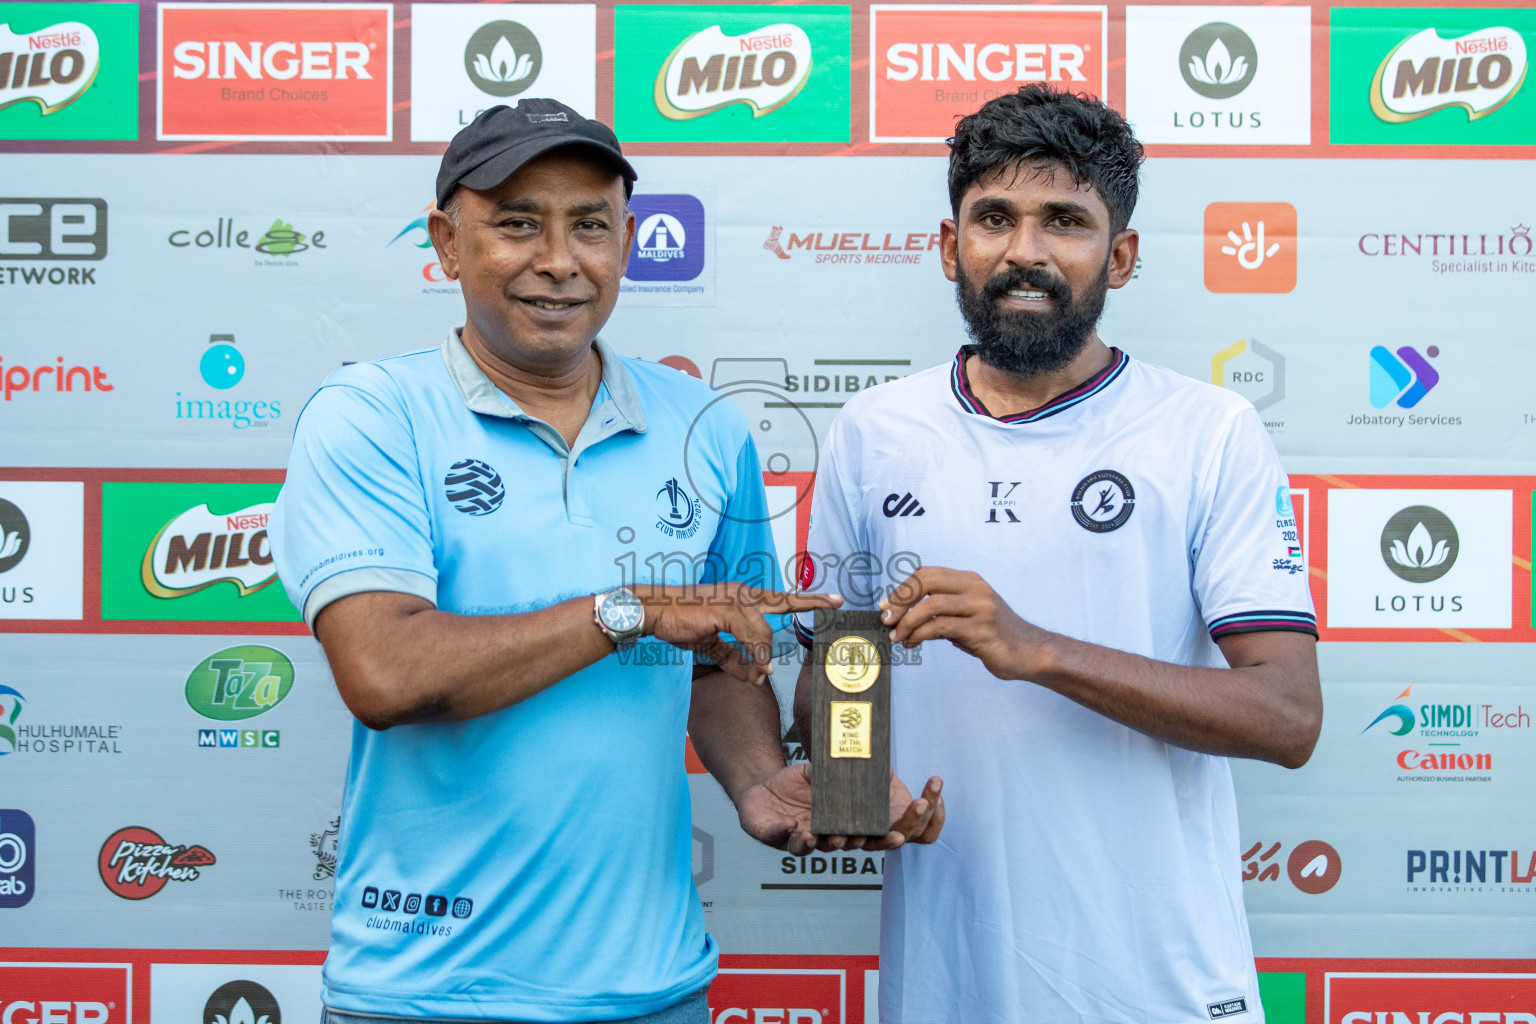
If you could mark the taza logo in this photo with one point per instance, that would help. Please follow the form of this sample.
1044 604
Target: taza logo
242 1002
709 70
51 67
135 863
198 549
1419 544
503 58
1479 72
1218 60
239 682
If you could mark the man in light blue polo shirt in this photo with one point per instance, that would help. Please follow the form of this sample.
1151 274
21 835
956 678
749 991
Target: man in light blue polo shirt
471 531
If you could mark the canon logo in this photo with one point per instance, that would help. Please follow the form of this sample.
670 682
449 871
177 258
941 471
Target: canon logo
20 1011
271 60
995 62
1430 1017
764 1016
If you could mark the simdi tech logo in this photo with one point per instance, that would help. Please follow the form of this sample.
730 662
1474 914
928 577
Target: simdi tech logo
190 551
69 71
732 73
1431 76
243 71
1450 737
1250 247
466 58
930 64
1221 76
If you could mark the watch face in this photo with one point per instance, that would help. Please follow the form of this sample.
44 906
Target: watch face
622 612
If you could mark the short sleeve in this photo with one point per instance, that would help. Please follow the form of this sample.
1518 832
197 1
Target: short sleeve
835 534
352 514
743 546
1249 574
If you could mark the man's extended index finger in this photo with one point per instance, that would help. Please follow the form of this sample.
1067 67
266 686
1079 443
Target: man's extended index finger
777 601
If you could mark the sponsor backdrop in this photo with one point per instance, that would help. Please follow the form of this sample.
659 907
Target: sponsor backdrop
208 207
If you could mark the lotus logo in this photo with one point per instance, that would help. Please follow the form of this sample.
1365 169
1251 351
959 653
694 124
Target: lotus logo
1479 72
1218 60
709 70
503 58
15 535
1420 544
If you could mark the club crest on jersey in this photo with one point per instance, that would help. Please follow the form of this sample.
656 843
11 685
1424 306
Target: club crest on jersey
678 513
1103 501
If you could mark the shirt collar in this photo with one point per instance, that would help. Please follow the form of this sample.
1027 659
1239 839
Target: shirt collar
483 397
960 384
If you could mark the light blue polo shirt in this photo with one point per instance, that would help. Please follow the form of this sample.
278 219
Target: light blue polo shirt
534 863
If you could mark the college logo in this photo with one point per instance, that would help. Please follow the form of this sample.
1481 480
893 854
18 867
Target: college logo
1405 378
200 548
1253 370
135 863
280 71
239 682
465 59
1431 76
1250 247
678 514
280 239
934 64
1444 998
712 74
1218 60
1103 501
474 488
669 238
242 1002
69 71
18 843
1417 553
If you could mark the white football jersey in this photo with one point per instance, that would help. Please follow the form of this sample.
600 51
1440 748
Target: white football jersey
1087 872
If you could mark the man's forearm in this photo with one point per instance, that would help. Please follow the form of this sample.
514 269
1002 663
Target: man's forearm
734 726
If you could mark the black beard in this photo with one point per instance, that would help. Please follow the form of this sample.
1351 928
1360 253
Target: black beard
1029 344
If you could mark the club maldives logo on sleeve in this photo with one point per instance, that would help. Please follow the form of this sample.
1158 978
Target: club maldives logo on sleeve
1432 76
275 71
189 552
135 863
732 73
69 71
933 64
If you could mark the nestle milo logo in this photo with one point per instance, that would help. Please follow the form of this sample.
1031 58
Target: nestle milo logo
239 682
1479 72
763 69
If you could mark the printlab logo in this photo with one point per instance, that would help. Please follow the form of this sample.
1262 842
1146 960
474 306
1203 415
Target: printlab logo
1420 544
18 843
1313 866
135 863
222 367
68 71
1218 60
239 682
44 230
669 238
15 536
242 1002
678 514
1103 501
503 58
1405 378
1250 247
474 487
1253 370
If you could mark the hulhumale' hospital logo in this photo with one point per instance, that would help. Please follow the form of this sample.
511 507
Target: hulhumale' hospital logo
474 487
1218 60
503 58
1419 544
678 514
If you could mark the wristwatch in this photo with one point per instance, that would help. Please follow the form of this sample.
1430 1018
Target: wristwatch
620 615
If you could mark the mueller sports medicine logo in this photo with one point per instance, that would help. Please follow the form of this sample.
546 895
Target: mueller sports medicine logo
18 846
51 67
1432 998
136 863
280 71
709 70
1250 247
198 549
50 231
931 64
852 247
1478 72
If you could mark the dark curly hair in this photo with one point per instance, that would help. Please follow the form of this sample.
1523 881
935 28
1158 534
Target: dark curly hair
1042 125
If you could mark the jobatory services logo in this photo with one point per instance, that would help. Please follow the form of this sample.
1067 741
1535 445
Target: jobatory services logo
135 863
74 993
466 58
18 858
1438 997
933 64
275 71
242 1002
50 232
189 551
1431 76
1403 378
1219 75
1253 370
748 73
1250 248
221 368
42 549
237 683
69 71
1419 558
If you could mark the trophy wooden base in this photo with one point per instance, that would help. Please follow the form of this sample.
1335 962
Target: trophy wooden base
850 748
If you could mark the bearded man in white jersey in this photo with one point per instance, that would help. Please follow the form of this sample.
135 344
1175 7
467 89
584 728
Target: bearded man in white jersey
1111 603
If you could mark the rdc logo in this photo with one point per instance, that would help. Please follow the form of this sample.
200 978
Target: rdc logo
474 487
18 838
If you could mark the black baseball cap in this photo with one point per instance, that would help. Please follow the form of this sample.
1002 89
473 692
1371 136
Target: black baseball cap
490 149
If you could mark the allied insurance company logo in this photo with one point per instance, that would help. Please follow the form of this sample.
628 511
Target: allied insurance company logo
242 1002
709 70
199 549
285 71
1425 73
135 863
18 852
669 238
1250 247
933 64
52 231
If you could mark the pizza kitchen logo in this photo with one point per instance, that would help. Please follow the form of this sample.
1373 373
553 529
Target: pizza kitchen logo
1478 72
136 863
51 67
198 549
710 70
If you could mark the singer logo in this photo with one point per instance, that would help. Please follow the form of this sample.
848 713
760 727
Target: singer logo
1351 998
1250 247
65 993
932 65
275 71
747 996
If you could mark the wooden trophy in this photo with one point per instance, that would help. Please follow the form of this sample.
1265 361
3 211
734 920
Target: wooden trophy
850 747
